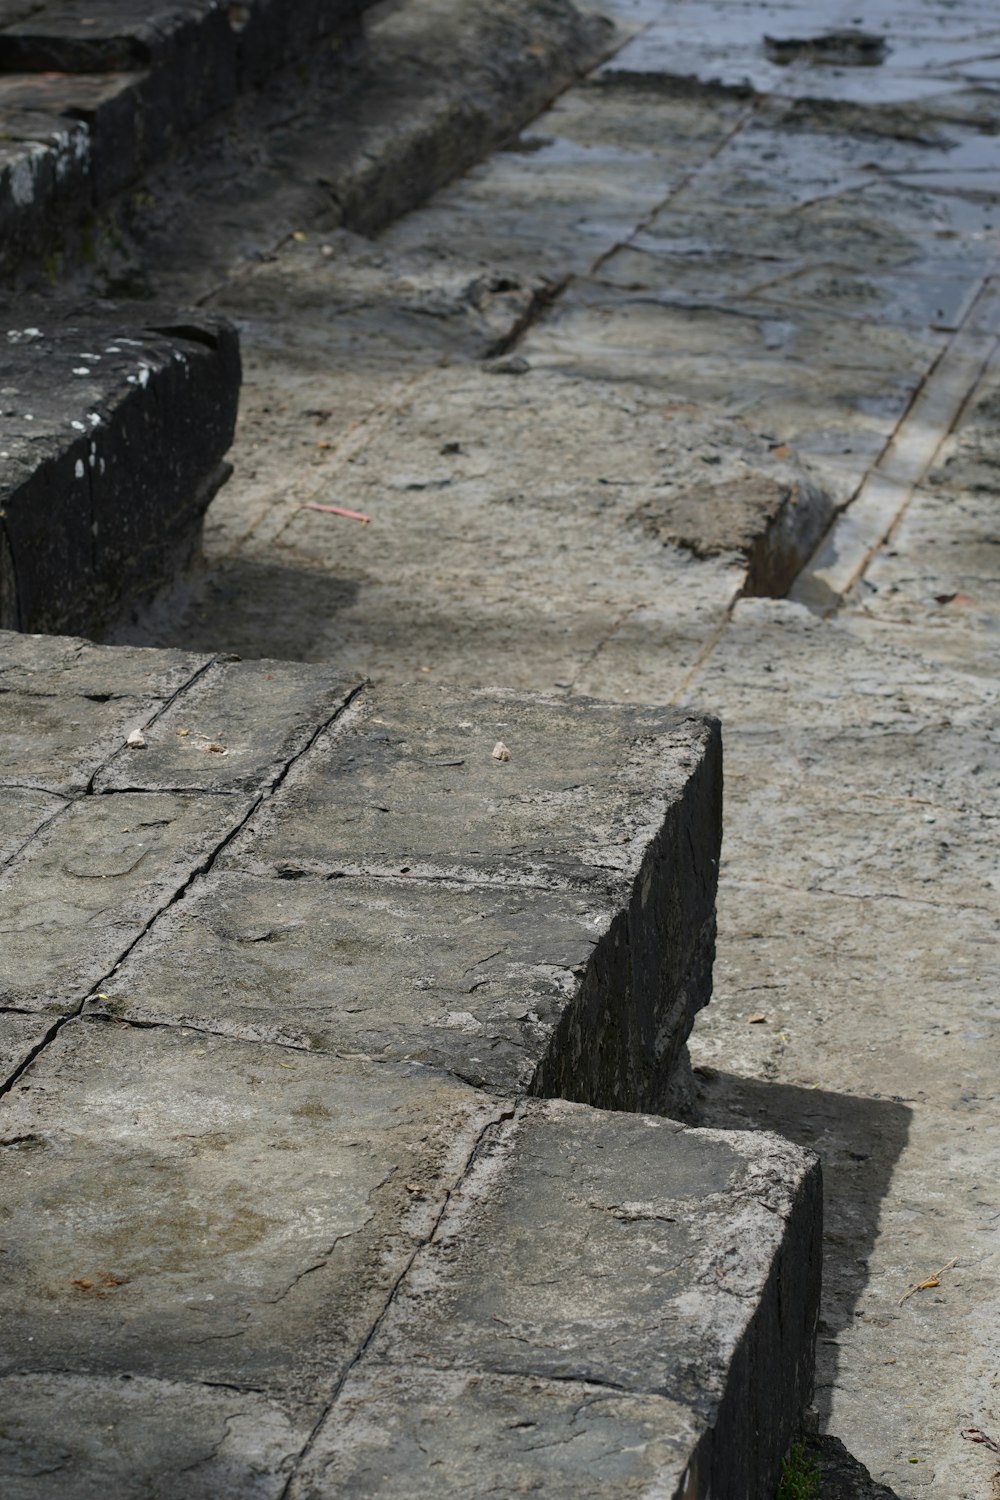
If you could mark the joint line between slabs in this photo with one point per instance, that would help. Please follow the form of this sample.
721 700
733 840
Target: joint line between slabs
961 348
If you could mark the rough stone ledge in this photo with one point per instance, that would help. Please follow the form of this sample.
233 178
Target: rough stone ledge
112 439
277 1207
374 1280
88 101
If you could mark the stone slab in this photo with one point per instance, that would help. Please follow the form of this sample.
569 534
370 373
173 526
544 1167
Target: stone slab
236 728
189 1209
618 805
137 77
76 898
66 706
23 811
75 1437
408 784
593 1256
466 978
112 437
221 1245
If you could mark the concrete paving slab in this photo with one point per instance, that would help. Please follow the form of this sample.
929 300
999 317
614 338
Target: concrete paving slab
555 1189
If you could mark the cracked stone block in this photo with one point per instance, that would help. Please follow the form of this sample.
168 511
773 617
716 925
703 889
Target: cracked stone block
614 1306
80 893
618 805
189 1209
177 1439
113 440
67 706
20 1035
235 728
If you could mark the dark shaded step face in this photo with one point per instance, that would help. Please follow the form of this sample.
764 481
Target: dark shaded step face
113 443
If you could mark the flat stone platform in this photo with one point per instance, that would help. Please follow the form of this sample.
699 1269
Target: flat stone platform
297 984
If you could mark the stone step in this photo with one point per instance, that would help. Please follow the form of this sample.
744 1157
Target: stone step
114 430
359 873
283 955
87 101
370 1279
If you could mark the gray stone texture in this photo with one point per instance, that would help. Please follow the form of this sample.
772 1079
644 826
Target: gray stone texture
552 1288
113 440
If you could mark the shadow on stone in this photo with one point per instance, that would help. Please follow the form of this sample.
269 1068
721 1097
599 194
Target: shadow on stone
841 1475
252 608
859 1142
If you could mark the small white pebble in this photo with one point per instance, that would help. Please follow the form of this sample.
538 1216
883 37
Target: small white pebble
137 740
500 751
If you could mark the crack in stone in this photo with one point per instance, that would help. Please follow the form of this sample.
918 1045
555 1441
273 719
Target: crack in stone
491 1127
202 868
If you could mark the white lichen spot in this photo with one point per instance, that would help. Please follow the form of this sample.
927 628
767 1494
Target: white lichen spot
81 370
23 174
79 470
78 426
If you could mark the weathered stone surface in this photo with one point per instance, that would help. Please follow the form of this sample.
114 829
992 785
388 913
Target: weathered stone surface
620 805
189 1209
23 810
66 706
113 436
452 1432
20 1035
79 1436
44 177
461 977
236 728
408 783
81 893
618 1253
137 77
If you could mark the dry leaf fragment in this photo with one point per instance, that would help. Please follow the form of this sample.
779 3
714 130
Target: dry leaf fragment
136 740
977 1435
929 1282
214 748
500 751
